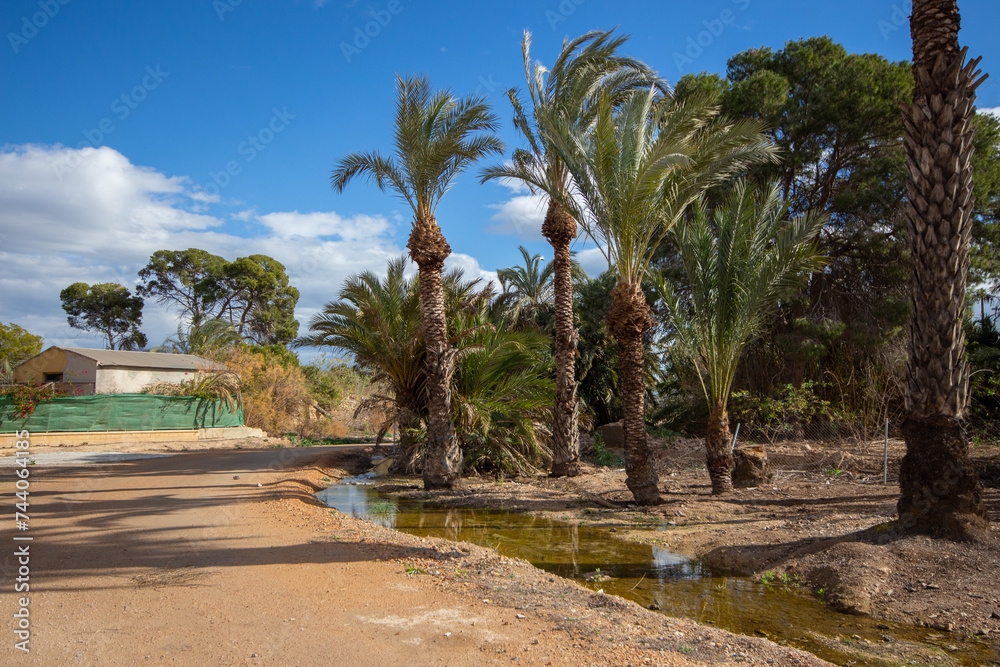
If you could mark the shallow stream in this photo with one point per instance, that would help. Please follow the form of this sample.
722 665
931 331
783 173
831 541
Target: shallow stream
651 575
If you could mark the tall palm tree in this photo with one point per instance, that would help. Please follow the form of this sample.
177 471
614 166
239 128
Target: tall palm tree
940 493
585 67
734 265
644 161
436 137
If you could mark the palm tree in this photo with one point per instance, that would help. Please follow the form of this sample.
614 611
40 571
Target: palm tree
940 493
377 321
644 162
527 290
567 94
734 265
436 137
502 387
501 390
202 336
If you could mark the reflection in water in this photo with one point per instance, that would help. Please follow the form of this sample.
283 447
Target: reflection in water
649 575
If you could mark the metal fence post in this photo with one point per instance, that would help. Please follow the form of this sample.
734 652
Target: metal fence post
885 458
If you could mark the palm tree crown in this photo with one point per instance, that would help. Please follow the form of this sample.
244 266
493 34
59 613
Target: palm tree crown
644 163
735 263
567 94
435 139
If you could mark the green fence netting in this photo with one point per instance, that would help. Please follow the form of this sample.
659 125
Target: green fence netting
119 412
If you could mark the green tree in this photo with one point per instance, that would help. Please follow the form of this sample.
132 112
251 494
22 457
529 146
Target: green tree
835 116
251 293
254 295
436 137
736 262
377 322
597 365
940 493
527 290
644 162
17 344
984 269
108 309
585 68
501 389
183 278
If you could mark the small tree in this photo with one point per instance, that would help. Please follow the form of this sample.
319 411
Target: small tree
735 263
108 309
17 344
201 337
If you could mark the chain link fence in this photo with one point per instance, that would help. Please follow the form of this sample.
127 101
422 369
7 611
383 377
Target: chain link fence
864 454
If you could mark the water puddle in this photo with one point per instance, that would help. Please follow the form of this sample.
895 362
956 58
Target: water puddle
651 575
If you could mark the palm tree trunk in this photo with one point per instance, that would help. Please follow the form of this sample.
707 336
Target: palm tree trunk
629 318
718 456
940 494
443 460
560 229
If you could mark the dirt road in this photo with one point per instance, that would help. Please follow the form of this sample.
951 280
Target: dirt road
220 558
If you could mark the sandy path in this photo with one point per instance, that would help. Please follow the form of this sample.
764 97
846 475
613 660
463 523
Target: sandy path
186 560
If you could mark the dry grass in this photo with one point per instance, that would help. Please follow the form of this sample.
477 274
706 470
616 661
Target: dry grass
275 397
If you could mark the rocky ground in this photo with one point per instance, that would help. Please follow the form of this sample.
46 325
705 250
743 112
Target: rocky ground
823 529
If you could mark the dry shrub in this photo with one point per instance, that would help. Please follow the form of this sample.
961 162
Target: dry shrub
275 396
222 386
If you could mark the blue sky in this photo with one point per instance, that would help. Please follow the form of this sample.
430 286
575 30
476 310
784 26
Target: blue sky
128 127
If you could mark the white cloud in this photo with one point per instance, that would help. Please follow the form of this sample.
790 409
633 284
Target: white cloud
470 265
316 225
521 216
91 216
92 200
993 111
593 261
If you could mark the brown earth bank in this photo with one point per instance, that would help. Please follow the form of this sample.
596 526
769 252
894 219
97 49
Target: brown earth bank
226 558
829 534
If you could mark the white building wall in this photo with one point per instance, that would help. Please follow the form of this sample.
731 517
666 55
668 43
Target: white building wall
134 380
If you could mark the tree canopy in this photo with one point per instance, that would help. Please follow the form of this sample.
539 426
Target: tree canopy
108 309
17 344
836 117
251 293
